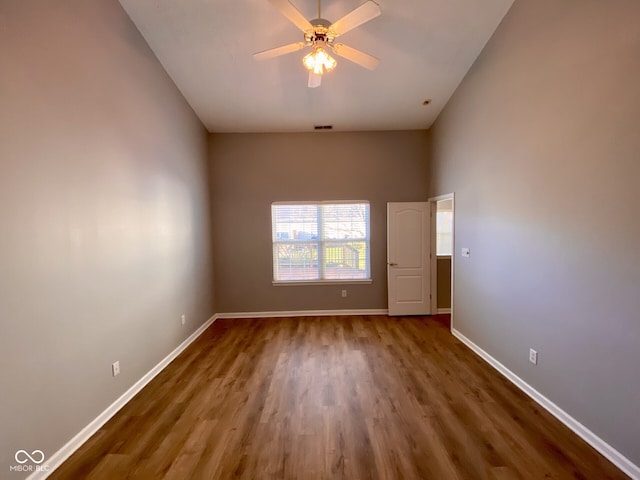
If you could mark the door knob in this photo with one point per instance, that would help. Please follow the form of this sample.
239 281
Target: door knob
392 264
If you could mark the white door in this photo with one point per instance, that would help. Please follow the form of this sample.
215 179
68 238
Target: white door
408 269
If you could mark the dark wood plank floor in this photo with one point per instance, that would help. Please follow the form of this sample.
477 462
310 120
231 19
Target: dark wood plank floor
333 397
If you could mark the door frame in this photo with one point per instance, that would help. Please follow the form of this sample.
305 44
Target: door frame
433 201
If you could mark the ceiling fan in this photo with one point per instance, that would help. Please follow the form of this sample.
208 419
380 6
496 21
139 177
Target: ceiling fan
319 34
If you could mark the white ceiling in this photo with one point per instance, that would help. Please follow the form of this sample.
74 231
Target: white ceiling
425 47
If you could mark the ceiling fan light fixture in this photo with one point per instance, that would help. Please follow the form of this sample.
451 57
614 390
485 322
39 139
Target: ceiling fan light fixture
319 34
319 61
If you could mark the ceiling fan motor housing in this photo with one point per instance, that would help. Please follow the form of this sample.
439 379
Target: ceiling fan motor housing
321 34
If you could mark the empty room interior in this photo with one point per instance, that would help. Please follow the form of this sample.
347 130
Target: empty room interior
305 239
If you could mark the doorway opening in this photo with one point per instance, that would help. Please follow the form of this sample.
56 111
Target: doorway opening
442 258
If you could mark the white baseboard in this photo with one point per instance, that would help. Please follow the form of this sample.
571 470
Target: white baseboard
615 457
443 310
301 313
55 460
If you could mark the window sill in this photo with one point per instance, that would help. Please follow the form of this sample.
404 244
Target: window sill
288 283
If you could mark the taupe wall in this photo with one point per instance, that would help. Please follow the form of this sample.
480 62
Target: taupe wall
443 270
250 171
540 144
105 217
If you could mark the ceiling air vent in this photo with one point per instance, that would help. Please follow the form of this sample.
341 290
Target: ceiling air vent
323 127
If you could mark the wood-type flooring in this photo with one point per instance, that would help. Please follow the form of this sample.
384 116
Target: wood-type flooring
344 397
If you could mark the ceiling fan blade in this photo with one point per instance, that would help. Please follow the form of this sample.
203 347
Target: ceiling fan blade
314 80
356 56
365 12
276 52
292 13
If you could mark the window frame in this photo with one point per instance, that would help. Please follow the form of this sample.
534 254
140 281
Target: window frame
321 244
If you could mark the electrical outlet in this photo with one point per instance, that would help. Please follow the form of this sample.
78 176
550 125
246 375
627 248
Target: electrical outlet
344 293
115 368
533 356
183 319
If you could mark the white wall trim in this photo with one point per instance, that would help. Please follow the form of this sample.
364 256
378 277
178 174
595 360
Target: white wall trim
302 313
614 456
55 460
444 310
299 283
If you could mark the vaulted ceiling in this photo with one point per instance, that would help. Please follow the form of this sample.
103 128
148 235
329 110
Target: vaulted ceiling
425 47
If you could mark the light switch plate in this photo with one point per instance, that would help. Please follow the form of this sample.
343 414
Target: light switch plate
533 356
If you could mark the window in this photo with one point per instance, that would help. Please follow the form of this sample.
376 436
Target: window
322 241
444 233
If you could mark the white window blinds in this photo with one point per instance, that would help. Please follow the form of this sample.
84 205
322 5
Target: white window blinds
321 241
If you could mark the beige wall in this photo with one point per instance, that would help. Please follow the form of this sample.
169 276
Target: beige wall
105 214
540 144
250 171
